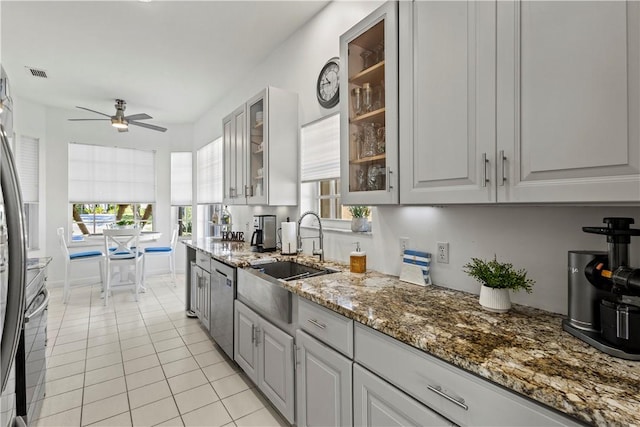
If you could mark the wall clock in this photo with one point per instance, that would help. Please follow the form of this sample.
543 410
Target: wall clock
328 84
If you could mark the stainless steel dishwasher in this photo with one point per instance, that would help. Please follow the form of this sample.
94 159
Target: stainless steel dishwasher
223 292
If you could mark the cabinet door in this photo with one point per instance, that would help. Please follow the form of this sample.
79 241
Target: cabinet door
245 340
234 154
205 309
369 109
194 288
568 101
257 166
323 384
275 373
377 403
447 93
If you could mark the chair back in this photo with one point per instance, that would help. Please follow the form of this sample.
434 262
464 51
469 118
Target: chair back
174 237
63 243
125 241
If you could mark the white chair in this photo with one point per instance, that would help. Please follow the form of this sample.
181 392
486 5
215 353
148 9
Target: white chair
123 249
166 251
76 258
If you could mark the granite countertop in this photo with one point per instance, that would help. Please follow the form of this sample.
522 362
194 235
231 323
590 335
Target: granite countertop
524 350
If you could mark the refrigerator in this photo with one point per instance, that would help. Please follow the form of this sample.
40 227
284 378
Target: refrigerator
13 265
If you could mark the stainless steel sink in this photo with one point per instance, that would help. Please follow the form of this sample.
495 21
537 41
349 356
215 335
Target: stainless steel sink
290 270
259 287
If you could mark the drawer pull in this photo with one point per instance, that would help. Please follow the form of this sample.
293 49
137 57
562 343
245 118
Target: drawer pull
316 323
438 390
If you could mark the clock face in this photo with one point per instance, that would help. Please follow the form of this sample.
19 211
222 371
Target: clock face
328 84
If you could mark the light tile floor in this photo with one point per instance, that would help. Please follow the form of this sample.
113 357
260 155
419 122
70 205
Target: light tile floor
141 363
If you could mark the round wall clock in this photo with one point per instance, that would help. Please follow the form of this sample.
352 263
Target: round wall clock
328 84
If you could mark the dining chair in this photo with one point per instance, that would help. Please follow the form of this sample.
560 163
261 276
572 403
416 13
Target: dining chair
76 258
122 249
163 251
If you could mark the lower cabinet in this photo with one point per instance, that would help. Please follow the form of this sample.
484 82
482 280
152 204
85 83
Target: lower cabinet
265 353
377 403
201 294
323 382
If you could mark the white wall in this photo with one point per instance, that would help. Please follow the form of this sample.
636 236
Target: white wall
53 129
533 237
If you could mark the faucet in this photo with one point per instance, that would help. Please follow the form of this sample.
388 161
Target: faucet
320 236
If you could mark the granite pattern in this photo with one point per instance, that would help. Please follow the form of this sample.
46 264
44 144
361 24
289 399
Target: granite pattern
525 350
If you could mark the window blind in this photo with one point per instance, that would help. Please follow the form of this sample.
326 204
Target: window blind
28 163
210 173
181 179
99 174
320 149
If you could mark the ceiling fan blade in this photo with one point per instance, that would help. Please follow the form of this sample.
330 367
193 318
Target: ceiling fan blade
84 120
141 116
93 111
148 126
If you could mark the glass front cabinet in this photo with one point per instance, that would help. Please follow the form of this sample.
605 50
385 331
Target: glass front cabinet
369 109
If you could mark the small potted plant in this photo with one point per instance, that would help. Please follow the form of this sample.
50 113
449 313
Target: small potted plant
359 220
497 278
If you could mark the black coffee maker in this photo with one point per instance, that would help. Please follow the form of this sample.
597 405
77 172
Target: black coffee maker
604 308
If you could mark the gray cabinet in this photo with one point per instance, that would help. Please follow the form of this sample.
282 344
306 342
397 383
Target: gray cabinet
323 384
233 149
376 403
519 102
265 353
201 294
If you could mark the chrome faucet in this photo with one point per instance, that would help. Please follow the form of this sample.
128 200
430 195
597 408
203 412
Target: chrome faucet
320 236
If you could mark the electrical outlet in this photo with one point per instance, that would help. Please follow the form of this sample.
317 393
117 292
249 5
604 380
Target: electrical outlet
443 252
404 244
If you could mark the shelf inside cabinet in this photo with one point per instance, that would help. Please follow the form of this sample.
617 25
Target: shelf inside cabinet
373 116
258 125
373 75
371 38
378 157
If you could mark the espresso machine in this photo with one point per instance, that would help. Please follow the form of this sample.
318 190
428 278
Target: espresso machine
263 238
604 293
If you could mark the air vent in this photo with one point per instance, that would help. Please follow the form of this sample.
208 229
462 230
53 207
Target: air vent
36 72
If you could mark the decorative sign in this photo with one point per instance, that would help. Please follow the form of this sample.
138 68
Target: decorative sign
233 236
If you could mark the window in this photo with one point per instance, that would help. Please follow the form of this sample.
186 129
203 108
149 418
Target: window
209 174
181 191
28 165
110 186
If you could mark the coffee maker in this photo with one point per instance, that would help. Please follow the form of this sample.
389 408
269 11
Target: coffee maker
604 308
263 238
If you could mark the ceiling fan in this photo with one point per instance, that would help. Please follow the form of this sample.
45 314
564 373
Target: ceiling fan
122 122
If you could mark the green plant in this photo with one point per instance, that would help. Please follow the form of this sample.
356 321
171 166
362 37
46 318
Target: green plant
359 211
499 275
125 222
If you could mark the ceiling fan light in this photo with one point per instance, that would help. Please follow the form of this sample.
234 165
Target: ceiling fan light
119 123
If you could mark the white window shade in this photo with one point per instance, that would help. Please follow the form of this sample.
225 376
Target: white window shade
320 149
99 174
28 162
210 173
181 179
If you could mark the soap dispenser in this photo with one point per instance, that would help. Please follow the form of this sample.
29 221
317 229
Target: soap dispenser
358 260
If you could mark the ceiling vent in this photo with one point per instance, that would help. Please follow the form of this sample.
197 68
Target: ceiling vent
34 72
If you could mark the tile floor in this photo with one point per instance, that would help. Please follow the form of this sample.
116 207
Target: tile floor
141 364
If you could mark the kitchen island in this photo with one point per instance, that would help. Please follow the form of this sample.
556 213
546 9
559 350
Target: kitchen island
524 350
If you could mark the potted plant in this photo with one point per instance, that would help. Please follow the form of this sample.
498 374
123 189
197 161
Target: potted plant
359 220
497 278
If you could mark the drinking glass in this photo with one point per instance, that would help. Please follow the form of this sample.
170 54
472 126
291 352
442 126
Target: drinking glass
378 97
379 50
357 101
380 140
367 59
367 98
369 144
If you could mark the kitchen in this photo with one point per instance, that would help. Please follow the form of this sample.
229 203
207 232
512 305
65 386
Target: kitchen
535 237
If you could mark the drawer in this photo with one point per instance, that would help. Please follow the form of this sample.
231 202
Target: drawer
457 395
327 326
203 261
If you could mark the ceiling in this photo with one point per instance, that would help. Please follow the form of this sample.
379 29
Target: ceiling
170 59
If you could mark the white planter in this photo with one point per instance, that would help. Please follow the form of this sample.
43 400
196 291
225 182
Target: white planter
359 224
496 300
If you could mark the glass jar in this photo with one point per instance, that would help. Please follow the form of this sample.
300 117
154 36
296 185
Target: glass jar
370 140
378 97
367 97
379 50
368 59
356 103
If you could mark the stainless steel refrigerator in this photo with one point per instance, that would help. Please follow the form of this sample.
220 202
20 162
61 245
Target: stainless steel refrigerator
13 257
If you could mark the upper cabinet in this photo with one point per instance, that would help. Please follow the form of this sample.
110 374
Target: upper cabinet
369 109
519 102
261 150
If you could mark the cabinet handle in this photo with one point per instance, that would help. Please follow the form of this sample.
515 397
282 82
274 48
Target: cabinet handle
253 334
503 159
438 390
389 172
296 359
257 335
485 162
314 322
